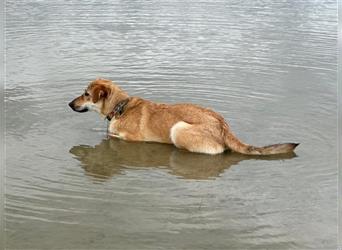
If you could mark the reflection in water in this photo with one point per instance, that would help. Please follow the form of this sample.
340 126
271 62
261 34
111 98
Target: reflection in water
112 156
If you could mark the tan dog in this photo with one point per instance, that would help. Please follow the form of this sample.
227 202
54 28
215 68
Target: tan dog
186 126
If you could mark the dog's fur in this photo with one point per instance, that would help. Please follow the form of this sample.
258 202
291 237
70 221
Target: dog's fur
186 126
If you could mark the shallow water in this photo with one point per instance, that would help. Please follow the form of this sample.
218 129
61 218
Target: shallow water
269 67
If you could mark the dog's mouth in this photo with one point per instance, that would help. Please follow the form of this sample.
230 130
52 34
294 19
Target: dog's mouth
81 110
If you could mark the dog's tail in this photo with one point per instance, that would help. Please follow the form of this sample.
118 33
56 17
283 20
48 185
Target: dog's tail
233 143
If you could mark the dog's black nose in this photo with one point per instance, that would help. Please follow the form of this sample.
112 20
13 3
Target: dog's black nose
71 105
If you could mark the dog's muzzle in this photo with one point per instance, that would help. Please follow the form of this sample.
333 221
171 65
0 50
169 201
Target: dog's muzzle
77 109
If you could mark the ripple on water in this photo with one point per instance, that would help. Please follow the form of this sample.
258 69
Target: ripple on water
268 67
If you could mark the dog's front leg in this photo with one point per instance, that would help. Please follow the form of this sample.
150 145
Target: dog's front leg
114 135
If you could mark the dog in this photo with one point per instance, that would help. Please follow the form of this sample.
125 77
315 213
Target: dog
187 126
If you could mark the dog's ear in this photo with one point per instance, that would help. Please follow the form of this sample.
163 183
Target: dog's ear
100 92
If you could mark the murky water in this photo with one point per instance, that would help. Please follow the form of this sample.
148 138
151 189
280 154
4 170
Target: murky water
269 67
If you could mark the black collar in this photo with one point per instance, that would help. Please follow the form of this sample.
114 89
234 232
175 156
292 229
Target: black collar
118 110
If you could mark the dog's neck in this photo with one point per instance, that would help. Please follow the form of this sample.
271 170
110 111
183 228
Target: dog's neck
118 109
117 97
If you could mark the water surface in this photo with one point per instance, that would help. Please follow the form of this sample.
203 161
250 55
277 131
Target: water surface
269 67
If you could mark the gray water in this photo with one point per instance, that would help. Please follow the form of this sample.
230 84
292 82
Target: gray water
269 67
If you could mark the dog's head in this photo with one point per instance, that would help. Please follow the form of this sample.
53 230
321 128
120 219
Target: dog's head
99 96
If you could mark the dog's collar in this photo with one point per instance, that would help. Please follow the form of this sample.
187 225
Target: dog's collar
118 110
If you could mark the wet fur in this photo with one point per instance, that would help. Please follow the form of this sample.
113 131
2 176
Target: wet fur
187 126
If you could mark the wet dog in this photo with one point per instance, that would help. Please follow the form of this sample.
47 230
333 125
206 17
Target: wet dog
187 126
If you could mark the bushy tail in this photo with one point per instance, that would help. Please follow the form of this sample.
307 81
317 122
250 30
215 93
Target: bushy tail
233 143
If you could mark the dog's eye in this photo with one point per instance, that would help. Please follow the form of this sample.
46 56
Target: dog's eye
86 94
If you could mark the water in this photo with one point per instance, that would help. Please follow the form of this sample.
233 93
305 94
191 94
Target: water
269 67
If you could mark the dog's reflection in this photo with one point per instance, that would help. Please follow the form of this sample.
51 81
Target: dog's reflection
112 156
